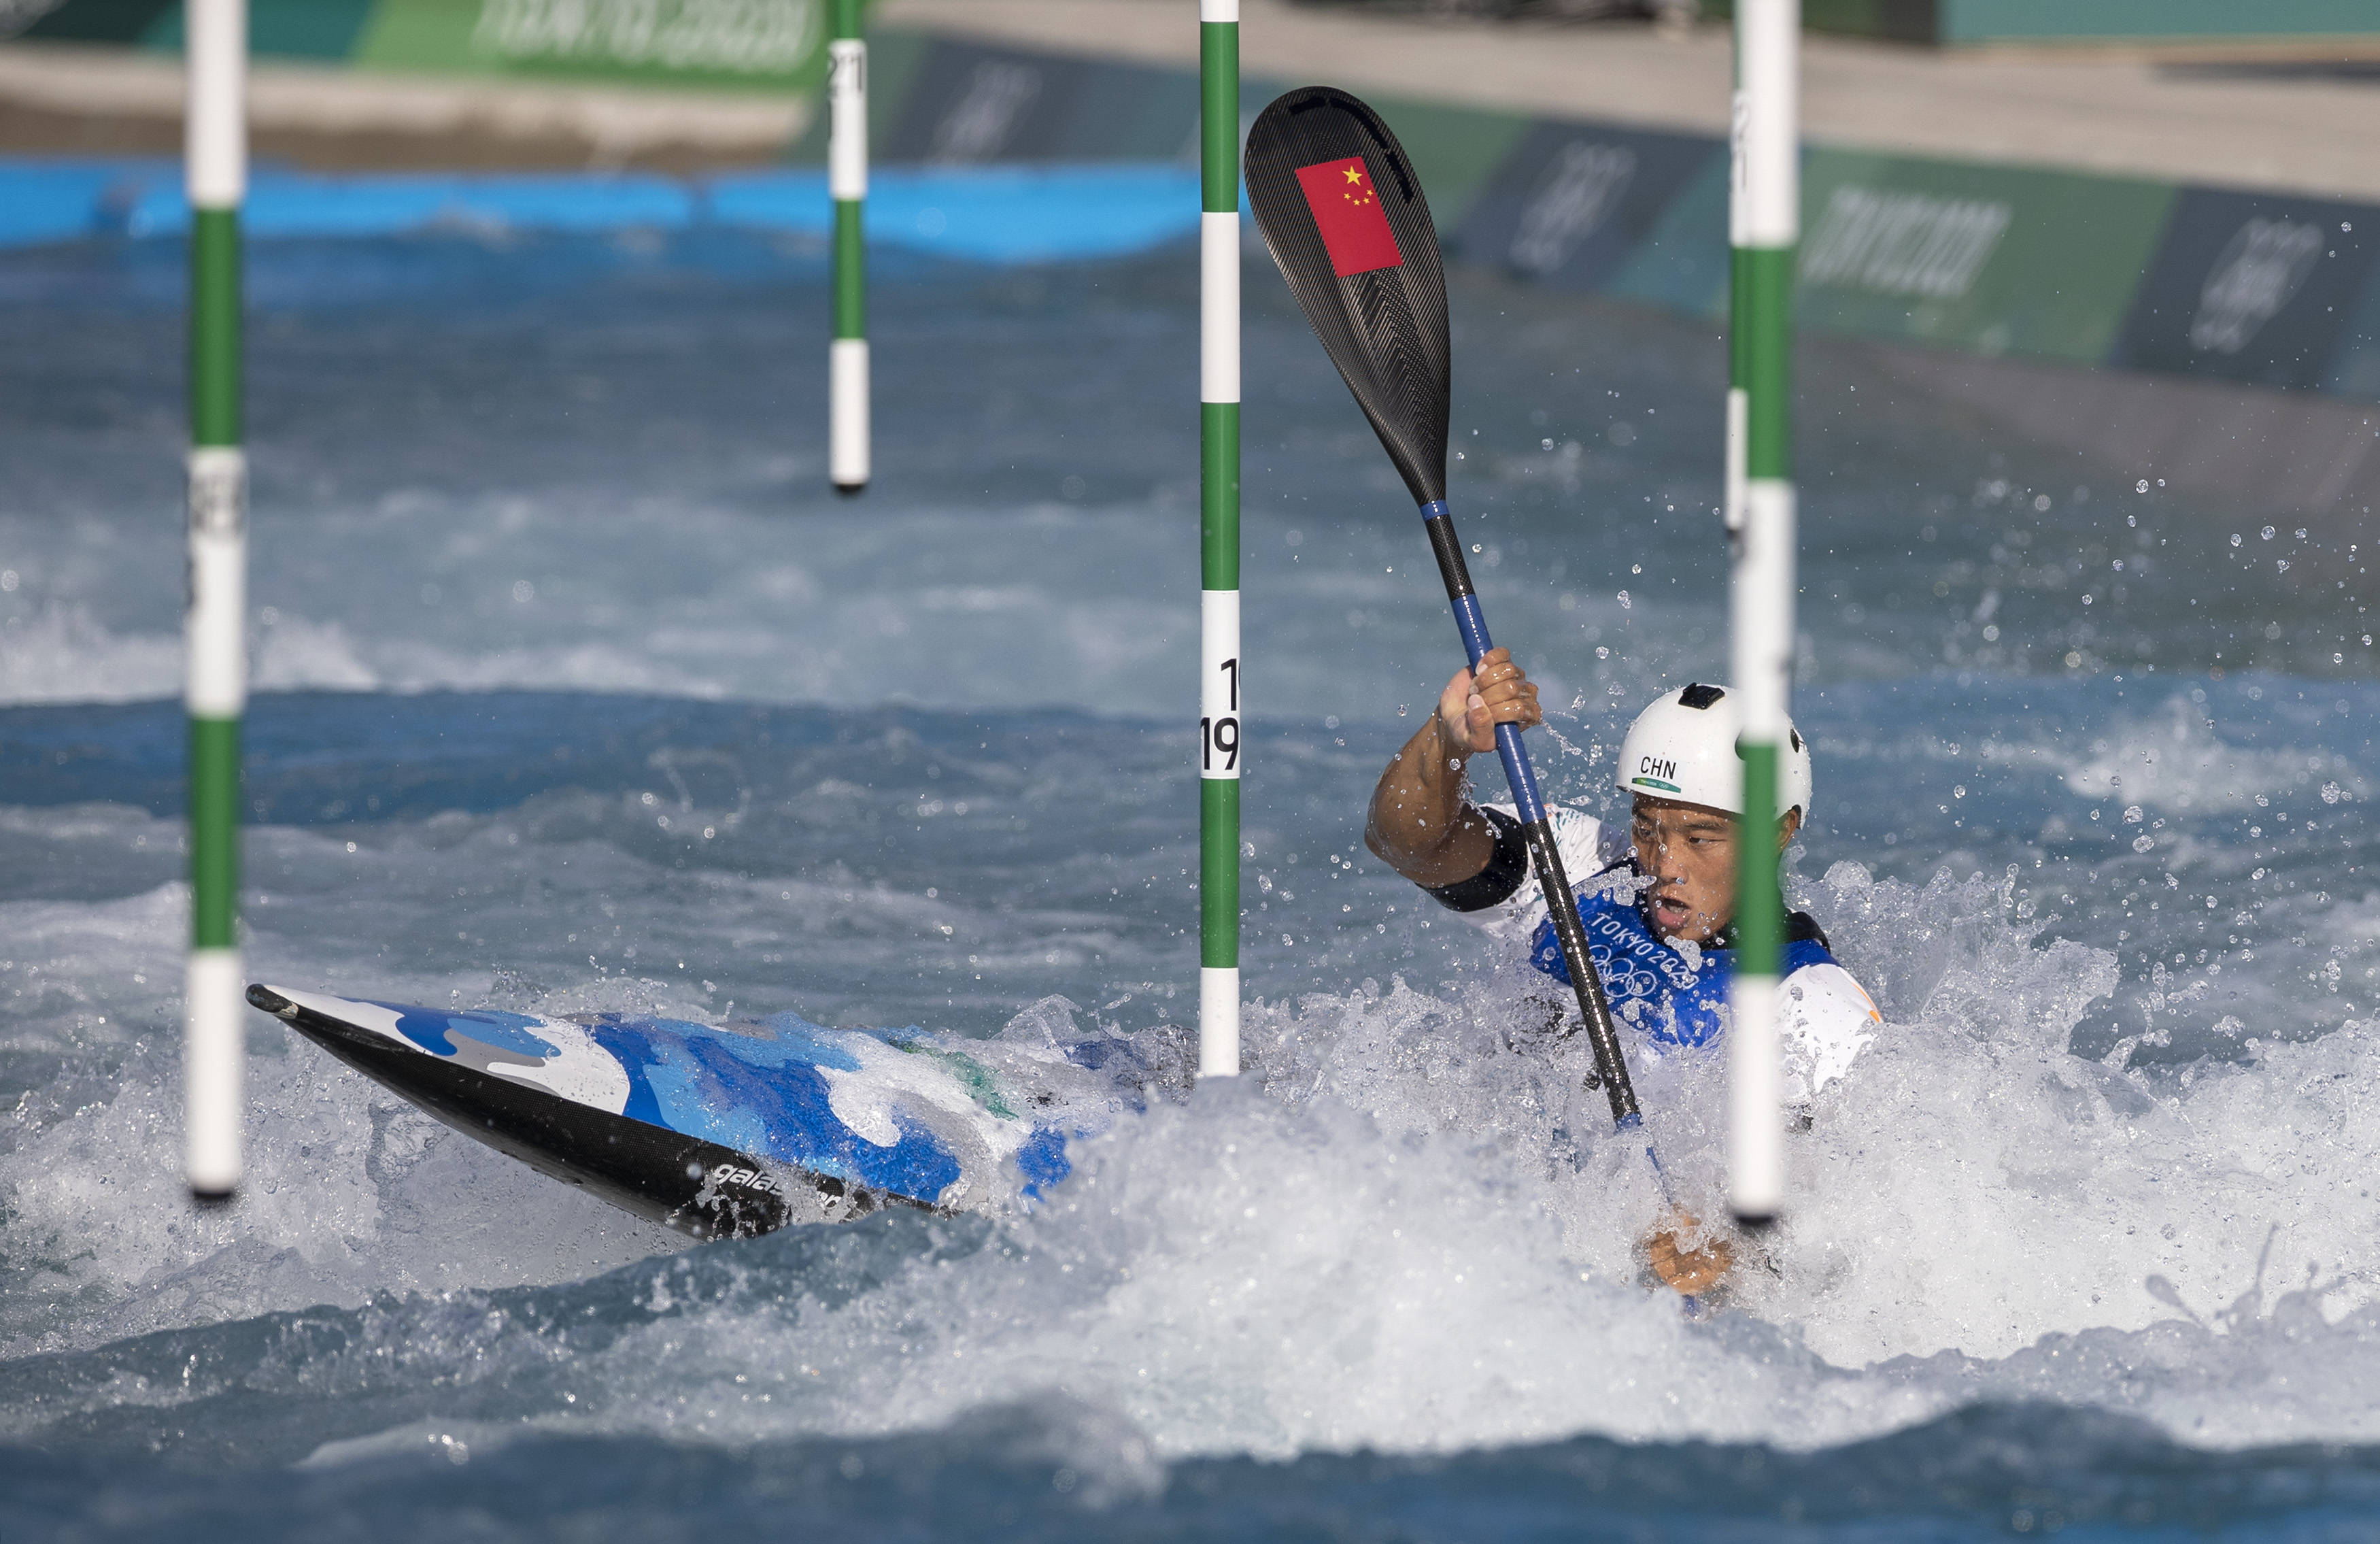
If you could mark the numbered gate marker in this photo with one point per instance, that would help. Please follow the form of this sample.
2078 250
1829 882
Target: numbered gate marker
1219 545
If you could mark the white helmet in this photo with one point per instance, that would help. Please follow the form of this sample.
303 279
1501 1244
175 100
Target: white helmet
1683 747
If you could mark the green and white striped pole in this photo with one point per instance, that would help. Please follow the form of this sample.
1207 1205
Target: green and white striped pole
217 169
1763 226
846 177
1219 538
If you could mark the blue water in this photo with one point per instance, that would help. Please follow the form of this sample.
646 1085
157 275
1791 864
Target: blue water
979 214
578 691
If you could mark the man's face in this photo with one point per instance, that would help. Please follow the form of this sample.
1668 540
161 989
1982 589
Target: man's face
1689 853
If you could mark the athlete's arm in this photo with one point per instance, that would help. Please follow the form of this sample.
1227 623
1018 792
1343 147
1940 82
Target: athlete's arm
1420 823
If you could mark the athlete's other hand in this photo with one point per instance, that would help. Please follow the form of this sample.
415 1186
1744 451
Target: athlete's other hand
1471 705
1688 1271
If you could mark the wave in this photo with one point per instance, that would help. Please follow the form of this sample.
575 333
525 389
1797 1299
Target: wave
1407 1232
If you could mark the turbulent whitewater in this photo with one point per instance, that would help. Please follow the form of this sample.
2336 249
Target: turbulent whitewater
578 698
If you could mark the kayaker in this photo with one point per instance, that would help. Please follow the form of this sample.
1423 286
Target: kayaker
1658 898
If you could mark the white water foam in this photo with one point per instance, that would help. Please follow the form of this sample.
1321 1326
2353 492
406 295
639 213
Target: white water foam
1405 1232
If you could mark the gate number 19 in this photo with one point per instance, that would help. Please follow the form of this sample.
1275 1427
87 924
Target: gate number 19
1222 734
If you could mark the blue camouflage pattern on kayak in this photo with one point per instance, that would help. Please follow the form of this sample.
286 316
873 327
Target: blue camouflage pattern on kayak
901 1113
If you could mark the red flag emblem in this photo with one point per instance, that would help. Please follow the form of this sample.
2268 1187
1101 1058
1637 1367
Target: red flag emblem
1347 210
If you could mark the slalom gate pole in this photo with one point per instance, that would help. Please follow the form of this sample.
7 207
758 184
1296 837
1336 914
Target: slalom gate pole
1765 224
216 170
1219 739
846 176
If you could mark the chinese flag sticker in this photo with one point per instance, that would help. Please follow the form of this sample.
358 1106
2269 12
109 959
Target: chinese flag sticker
1347 210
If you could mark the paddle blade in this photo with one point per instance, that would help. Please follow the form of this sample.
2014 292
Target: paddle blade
1343 215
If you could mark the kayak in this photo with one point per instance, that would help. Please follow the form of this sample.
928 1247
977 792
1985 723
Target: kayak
722 1130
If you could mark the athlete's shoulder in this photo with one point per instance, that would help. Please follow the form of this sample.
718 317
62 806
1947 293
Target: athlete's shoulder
1826 1019
1585 843
1579 837
1581 840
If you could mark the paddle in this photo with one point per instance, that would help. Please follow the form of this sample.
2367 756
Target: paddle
1342 211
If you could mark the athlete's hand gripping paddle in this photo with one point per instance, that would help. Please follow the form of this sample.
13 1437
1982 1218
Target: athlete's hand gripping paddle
1342 212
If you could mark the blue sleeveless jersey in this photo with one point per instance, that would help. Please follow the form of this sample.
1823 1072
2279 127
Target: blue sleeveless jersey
1653 987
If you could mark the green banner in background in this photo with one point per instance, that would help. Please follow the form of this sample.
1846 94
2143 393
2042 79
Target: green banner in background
771 46
1996 259
1991 260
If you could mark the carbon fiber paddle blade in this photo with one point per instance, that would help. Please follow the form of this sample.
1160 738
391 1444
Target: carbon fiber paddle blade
1344 216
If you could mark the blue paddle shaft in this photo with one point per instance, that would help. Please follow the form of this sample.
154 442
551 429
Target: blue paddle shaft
1517 770
1536 828
1472 624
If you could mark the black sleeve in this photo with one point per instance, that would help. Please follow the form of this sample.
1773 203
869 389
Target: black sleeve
1507 871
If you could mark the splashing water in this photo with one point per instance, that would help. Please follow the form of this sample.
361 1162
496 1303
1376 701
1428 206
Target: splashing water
599 706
